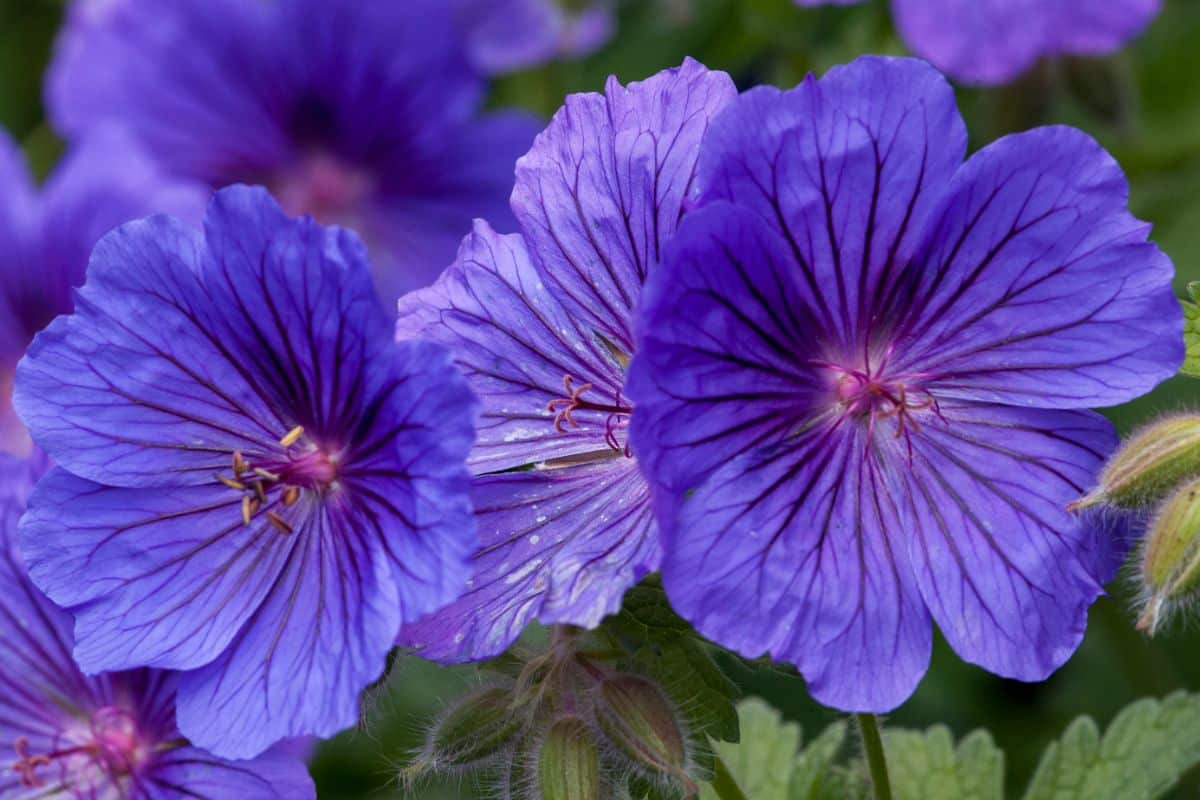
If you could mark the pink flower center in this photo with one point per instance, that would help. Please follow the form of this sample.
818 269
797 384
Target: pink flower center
109 748
872 396
273 484
325 187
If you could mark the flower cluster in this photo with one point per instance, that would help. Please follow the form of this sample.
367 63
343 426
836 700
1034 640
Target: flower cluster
791 349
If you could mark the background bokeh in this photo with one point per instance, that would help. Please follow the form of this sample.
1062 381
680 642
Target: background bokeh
1143 105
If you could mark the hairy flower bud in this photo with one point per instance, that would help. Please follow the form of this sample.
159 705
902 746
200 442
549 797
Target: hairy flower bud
1171 561
568 762
477 728
644 727
1149 465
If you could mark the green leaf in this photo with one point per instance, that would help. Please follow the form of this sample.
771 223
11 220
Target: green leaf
1146 750
769 765
1191 332
927 766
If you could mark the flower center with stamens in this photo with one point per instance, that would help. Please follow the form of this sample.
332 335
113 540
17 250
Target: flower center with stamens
617 411
110 744
874 396
272 484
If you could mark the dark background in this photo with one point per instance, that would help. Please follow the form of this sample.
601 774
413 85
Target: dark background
1143 104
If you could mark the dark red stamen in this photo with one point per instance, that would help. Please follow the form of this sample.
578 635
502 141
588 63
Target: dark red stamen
114 745
564 409
876 396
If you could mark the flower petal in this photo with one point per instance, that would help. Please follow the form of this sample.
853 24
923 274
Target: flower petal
468 174
105 180
560 546
516 34
158 577
175 75
191 772
847 169
994 41
1007 572
297 668
1038 287
724 359
516 342
797 552
604 186
407 480
137 386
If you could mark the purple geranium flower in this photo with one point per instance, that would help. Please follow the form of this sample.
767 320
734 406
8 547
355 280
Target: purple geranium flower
994 41
363 114
507 35
857 379
256 485
66 734
46 236
542 325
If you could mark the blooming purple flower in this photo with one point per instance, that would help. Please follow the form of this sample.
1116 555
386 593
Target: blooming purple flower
363 114
46 236
994 41
541 322
507 35
256 485
857 379
63 733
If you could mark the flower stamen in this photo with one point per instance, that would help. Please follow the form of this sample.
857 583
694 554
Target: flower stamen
564 409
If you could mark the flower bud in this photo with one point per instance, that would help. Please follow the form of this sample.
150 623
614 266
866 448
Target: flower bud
1149 465
644 727
477 728
1171 561
568 762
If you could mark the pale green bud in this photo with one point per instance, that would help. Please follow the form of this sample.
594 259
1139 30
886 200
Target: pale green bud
1149 465
644 726
476 729
1171 560
568 762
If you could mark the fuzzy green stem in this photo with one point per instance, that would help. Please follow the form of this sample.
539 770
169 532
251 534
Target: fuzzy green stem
868 725
723 783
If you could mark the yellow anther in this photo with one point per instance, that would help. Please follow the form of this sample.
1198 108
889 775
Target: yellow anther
261 492
239 463
247 510
278 522
230 482
290 495
266 474
292 436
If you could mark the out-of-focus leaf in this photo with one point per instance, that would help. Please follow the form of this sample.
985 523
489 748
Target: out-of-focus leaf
1191 333
768 763
1146 750
927 766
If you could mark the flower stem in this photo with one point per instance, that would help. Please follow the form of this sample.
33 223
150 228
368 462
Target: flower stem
723 783
868 725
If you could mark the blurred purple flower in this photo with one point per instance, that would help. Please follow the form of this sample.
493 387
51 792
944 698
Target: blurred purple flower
994 41
364 114
46 236
256 485
66 734
857 376
541 322
508 35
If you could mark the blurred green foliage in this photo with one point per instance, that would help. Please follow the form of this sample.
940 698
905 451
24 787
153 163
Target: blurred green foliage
1143 104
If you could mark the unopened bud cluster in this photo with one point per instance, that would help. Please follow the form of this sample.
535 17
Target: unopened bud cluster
1158 470
571 727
